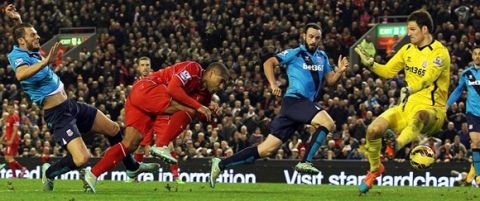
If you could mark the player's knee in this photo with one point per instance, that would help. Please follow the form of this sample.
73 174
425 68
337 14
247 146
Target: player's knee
81 159
131 144
374 132
423 116
475 143
323 119
266 151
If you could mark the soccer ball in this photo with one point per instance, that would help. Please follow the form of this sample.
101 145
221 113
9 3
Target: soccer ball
422 157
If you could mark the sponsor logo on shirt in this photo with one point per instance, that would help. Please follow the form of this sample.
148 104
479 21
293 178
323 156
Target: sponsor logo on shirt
313 67
476 82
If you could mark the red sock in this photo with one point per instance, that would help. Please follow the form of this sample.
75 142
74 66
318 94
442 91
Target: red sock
174 167
113 155
13 166
138 157
177 123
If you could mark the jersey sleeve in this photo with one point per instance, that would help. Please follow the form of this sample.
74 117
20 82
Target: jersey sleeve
178 82
393 66
286 56
457 92
18 59
327 66
440 62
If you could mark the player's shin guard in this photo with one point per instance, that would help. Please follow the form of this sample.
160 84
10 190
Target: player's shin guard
476 160
178 121
246 156
315 143
110 159
62 166
128 161
373 152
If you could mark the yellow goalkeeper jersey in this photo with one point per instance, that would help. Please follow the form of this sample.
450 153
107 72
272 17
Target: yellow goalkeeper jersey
427 72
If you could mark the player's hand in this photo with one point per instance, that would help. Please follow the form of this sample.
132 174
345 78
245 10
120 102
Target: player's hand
276 90
52 55
342 64
215 108
205 111
11 12
404 93
364 58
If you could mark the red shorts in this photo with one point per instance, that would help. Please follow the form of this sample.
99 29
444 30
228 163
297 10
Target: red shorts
11 150
146 100
160 125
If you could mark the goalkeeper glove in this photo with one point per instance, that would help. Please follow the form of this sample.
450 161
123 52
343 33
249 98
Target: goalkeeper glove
404 93
364 57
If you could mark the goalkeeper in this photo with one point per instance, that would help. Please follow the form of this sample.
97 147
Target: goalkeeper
421 108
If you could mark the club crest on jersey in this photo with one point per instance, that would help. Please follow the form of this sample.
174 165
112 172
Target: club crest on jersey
409 59
307 59
438 61
184 75
424 64
285 52
18 61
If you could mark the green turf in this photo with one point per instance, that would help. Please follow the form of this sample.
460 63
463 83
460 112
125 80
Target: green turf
30 190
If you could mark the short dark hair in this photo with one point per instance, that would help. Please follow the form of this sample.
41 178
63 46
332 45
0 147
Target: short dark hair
476 47
311 25
19 31
422 18
220 68
140 59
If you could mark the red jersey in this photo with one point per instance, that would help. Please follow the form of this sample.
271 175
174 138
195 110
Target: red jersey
183 80
12 120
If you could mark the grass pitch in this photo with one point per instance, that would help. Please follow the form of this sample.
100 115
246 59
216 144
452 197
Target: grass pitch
31 190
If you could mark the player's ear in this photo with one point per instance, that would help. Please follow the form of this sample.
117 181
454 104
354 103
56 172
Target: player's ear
424 29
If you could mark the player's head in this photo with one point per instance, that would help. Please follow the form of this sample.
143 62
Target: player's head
312 33
143 66
476 55
215 75
419 26
26 37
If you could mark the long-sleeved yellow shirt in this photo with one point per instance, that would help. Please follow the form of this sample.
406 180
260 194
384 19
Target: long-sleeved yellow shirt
427 72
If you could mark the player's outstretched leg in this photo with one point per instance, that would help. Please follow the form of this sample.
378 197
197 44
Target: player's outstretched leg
245 156
178 121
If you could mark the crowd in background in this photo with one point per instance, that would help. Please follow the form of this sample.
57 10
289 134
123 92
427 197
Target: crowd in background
242 34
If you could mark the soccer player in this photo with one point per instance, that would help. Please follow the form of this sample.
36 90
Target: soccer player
307 68
470 79
143 69
12 140
421 109
166 91
65 117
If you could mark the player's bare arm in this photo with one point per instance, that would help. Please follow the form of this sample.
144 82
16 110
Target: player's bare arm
268 68
332 77
24 72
